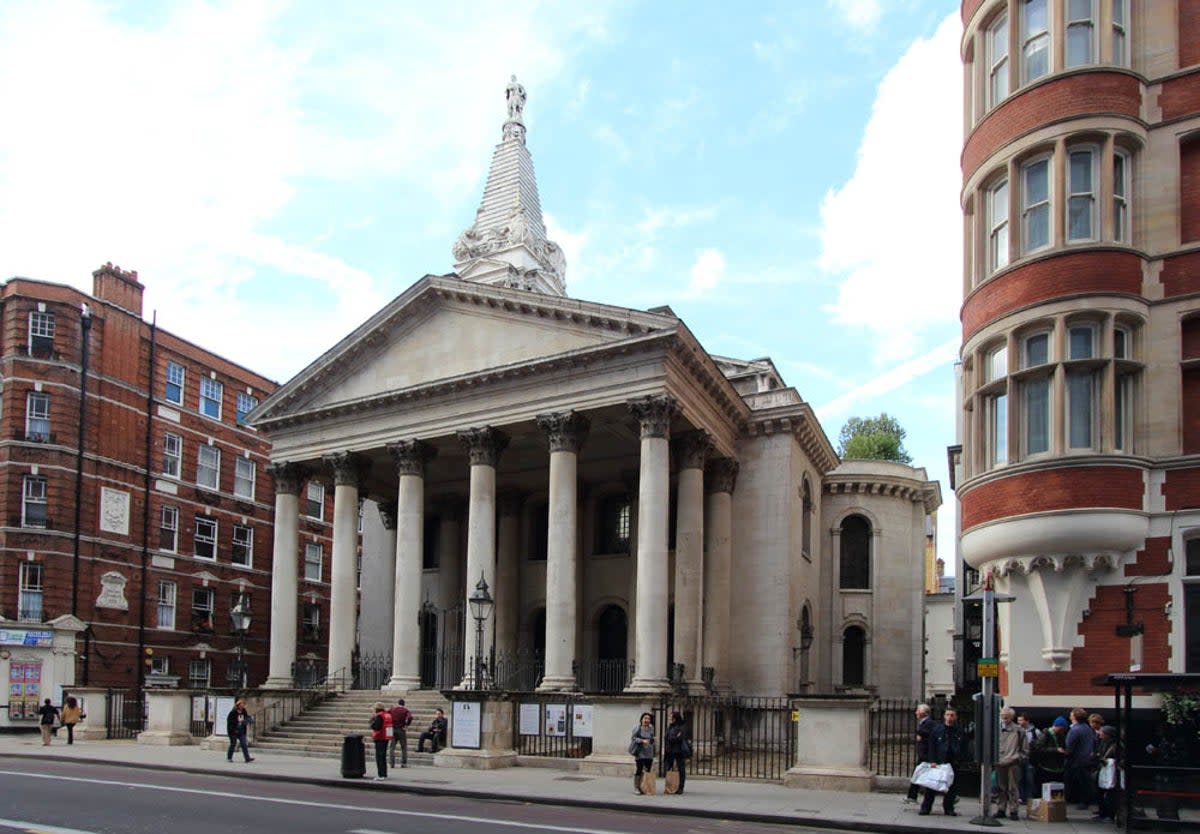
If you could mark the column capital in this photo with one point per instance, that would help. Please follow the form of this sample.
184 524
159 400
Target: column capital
722 474
484 445
387 514
654 413
411 456
348 468
566 430
692 448
509 500
287 477
448 507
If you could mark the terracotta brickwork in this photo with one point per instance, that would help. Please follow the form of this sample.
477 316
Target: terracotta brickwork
117 458
1181 273
1071 273
1189 34
1180 97
1182 489
1052 489
1189 191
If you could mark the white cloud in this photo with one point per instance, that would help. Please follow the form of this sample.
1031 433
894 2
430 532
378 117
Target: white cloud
861 14
572 244
608 135
900 375
706 272
892 233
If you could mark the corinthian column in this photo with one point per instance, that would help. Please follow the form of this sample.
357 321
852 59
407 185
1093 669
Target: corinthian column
284 574
693 449
411 457
566 432
484 446
508 539
343 590
654 415
722 476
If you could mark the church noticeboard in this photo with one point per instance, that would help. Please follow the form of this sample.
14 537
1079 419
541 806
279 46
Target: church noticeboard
530 719
465 724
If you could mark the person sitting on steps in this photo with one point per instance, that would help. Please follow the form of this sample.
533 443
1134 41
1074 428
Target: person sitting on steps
436 734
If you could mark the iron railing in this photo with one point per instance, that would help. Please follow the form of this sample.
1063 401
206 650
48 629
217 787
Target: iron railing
556 727
280 712
124 715
732 737
372 671
604 676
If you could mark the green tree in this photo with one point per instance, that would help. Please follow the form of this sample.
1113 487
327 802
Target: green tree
873 438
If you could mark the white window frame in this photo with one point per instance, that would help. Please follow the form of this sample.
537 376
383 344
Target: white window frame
200 673
995 363
208 538
996 409
41 326
310 629
1120 197
1027 341
1034 41
175 383
211 607
997 61
1122 342
1123 413
245 404
1039 207
212 393
1085 24
1082 395
1083 193
245 473
31 584
312 549
242 553
172 455
314 496
997 220
168 522
37 417
1044 383
34 494
168 601
160 664
208 467
1091 331
1120 34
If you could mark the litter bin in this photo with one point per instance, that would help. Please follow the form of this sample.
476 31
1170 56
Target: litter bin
354 758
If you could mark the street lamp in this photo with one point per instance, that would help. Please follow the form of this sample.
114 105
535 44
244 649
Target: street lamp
987 711
240 614
481 608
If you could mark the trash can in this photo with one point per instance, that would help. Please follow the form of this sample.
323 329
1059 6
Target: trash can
354 758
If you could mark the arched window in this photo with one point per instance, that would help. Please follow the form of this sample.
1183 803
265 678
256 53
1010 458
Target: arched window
806 513
854 652
856 553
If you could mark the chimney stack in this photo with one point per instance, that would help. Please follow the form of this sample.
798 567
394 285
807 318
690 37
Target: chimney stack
116 286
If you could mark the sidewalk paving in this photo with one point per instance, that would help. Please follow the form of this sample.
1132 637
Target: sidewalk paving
705 797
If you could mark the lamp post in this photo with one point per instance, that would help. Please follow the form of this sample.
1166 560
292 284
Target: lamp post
481 608
987 711
240 614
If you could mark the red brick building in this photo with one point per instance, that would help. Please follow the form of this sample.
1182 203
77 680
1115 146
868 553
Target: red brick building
1079 476
172 526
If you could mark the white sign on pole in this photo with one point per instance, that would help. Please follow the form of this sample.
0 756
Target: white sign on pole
466 724
581 721
530 719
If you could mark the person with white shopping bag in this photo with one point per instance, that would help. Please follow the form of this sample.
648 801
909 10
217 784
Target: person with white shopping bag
946 748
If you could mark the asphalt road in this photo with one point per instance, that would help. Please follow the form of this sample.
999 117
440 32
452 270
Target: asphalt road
80 798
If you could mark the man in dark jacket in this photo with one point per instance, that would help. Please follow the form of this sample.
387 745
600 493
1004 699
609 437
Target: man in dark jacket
401 718
946 746
1080 747
925 726
436 734
237 724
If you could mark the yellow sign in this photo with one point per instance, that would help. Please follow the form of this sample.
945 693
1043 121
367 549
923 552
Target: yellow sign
987 667
795 715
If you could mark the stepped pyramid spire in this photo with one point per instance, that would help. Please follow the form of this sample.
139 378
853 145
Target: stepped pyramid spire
506 245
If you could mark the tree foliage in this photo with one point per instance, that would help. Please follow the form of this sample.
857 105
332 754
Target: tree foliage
873 438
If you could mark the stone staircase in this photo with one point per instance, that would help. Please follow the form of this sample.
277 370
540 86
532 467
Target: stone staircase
319 731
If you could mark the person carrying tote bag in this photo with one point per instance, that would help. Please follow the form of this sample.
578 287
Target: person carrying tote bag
641 747
678 748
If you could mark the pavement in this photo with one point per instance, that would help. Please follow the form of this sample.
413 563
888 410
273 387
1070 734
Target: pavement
760 802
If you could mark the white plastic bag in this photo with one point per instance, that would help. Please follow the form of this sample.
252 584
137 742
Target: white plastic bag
1107 777
935 777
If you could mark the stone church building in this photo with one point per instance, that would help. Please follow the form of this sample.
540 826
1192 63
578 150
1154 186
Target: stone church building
646 516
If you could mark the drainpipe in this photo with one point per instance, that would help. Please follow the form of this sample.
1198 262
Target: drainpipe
141 653
85 324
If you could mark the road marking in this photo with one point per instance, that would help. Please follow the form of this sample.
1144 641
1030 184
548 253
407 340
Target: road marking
38 828
492 821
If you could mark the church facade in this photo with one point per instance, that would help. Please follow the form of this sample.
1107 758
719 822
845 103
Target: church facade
645 515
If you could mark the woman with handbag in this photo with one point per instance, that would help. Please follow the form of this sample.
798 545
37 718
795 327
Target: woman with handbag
71 715
1108 774
678 748
641 747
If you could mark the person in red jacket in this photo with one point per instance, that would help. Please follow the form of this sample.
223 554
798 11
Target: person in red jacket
401 718
381 734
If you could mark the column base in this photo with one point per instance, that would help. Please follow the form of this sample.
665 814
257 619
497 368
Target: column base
653 685
279 683
695 688
475 759
558 683
402 684
851 779
165 738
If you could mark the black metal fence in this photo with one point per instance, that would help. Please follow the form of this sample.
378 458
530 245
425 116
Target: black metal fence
372 671
733 737
892 749
604 676
555 736
124 714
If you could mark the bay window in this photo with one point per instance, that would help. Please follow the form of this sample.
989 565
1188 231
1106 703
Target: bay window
1081 191
1035 205
997 219
1035 40
1081 29
997 57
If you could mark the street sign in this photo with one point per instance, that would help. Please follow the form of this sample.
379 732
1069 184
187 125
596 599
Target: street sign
987 667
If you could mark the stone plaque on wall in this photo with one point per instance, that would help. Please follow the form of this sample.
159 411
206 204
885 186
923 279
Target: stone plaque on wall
112 592
114 511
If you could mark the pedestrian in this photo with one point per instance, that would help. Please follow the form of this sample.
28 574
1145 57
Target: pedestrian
1032 736
1049 755
237 726
401 718
49 714
1011 753
1109 798
925 725
71 715
381 734
678 748
435 734
641 746
946 746
1080 748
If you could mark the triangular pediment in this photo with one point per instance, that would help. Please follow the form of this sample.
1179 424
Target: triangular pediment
445 328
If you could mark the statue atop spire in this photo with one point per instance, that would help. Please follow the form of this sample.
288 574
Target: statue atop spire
507 245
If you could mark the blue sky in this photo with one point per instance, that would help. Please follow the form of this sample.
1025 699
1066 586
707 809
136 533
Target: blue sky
784 176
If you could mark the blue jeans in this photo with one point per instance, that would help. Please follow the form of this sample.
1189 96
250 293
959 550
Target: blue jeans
234 741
